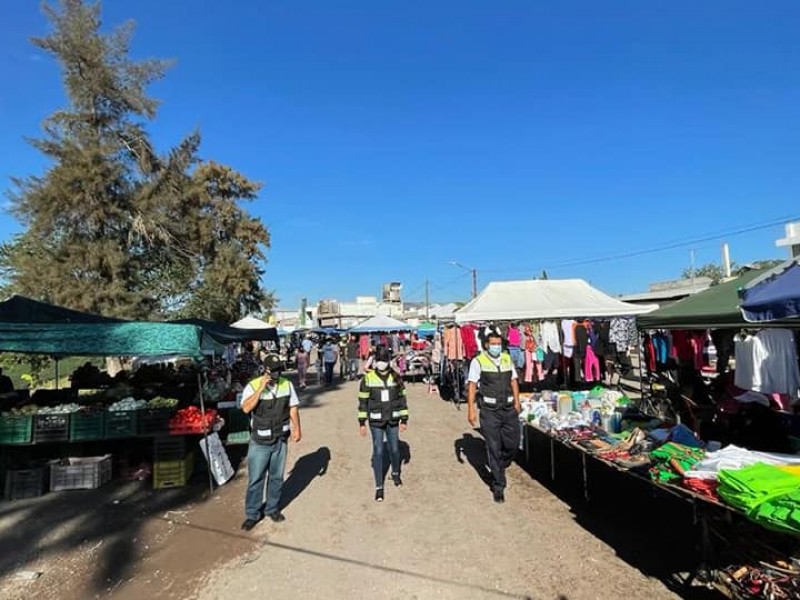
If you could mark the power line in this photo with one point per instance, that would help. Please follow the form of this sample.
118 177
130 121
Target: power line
653 250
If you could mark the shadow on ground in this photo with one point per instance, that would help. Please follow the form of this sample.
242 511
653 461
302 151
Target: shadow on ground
651 529
307 468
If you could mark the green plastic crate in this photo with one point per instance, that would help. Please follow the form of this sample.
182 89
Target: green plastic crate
87 425
16 429
121 424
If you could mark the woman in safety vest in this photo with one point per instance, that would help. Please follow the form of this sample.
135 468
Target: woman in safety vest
382 403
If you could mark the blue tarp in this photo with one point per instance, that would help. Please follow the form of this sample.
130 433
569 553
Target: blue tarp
774 296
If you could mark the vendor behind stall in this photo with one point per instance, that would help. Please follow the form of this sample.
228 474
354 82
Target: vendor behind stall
6 385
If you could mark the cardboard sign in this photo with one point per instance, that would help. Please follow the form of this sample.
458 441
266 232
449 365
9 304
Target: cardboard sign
220 464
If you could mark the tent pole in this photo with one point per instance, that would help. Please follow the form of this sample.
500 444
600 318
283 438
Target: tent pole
641 370
205 431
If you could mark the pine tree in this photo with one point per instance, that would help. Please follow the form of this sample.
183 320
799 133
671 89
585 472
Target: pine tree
112 226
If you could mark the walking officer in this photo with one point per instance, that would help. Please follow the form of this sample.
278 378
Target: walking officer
498 399
272 404
382 402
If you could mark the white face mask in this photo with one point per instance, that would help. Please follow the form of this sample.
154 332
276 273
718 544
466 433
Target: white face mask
381 365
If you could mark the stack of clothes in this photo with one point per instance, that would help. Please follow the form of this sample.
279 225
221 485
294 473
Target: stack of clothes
768 494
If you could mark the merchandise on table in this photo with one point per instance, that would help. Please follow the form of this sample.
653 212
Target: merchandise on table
192 420
746 488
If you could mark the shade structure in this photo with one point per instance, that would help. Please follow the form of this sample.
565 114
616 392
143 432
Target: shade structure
773 296
257 330
543 299
715 308
32 327
380 324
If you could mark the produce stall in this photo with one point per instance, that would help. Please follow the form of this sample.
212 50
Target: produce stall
130 413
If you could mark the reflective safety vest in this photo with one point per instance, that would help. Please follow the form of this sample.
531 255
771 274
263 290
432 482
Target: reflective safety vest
270 418
495 389
383 402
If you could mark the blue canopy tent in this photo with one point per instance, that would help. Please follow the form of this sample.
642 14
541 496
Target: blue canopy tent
774 296
426 329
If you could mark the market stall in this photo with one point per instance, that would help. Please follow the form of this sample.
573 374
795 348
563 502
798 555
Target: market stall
162 404
773 296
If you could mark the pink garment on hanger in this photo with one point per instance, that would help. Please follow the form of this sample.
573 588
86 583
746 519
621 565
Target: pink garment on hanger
591 366
528 366
453 344
513 337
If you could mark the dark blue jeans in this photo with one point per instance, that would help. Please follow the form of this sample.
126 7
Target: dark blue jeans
261 461
392 435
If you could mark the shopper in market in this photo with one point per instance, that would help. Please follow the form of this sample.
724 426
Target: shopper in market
330 354
492 380
272 403
302 358
382 404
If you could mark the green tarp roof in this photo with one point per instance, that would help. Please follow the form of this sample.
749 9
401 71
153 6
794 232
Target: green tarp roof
714 308
32 327
101 339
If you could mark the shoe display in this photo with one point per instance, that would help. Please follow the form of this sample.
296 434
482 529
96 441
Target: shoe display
249 524
499 496
379 495
397 481
277 517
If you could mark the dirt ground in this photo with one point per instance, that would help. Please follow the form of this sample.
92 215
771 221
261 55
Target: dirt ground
439 536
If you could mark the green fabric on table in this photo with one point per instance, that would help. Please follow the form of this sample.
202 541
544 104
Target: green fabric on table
686 457
780 514
747 488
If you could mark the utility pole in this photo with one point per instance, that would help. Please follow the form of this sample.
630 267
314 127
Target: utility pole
427 299
691 254
474 283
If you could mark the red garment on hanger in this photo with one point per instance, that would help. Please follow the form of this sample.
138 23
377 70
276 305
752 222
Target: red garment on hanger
470 343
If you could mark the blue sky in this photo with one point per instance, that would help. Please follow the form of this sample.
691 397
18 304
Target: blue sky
513 136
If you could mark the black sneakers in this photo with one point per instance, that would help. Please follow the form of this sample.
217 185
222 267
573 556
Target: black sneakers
277 517
379 495
397 481
249 524
499 496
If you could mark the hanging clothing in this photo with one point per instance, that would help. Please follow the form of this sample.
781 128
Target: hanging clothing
363 346
591 366
469 340
453 344
528 366
569 337
514 337
580 333
623 332
767 362
550 338
723 342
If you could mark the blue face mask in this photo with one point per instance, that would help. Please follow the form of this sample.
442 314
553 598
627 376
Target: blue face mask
495 350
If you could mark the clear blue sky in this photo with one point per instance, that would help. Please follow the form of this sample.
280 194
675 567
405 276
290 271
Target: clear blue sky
511 136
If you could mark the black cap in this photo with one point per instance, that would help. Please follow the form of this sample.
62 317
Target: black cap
273 363
383 354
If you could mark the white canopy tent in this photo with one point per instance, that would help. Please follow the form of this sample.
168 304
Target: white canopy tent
543 299
380 323
251 323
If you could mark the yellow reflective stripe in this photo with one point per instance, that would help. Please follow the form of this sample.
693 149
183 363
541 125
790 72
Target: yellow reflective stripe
362 414
363 394
404 412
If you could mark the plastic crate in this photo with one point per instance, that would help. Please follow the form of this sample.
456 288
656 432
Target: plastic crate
238 437
16 429
87 425
168 448
80 473
50 428
154 421
25 483
172 473
121 424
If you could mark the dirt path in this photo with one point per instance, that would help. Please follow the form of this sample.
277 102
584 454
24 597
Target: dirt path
440 536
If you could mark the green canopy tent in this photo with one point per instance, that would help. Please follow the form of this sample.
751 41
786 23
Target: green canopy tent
714 308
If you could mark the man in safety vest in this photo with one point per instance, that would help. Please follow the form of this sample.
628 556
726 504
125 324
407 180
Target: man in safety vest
272 404
382 402
498 399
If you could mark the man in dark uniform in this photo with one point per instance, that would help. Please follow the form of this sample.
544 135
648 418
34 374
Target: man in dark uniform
272 404
498 399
